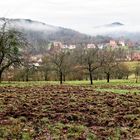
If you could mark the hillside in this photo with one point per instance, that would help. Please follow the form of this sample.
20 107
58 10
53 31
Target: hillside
118 30
39 34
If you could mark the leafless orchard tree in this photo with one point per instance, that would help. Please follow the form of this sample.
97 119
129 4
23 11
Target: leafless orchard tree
60 63
109 62
90 61
10 43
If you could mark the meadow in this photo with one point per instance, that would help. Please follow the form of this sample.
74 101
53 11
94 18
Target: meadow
72 111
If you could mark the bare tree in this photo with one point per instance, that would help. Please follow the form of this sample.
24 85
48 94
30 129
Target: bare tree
122 71
46 66
90 61
137 72
10 42
59 61
26 65
109 62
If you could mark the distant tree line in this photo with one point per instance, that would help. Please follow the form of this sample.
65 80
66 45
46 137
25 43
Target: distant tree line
80 64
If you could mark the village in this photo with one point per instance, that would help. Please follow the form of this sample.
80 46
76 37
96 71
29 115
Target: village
131 49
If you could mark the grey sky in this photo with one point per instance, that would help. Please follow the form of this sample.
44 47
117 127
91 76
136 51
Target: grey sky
81 15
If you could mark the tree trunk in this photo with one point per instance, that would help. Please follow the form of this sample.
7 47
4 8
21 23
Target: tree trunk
136 80
64 77
127 77
91 78
61 77
0 76
27 77
136 77
108 77
46 76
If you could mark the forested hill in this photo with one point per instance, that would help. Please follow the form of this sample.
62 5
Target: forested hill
39 34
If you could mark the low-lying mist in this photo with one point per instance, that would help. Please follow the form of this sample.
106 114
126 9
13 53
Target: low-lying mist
116 30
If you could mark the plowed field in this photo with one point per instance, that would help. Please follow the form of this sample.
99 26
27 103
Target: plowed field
68 112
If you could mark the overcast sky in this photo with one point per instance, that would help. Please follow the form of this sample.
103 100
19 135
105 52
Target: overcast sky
80 15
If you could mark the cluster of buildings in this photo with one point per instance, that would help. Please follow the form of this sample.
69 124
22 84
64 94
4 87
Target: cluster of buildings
36 60
113 44
58 46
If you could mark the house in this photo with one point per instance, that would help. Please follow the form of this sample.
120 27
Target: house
113 43
100 46
36 64
71 47
91 46
121 43
56 47
136 56
65 46
36 60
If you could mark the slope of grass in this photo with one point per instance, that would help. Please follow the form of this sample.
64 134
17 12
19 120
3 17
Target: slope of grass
43 83
119 91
